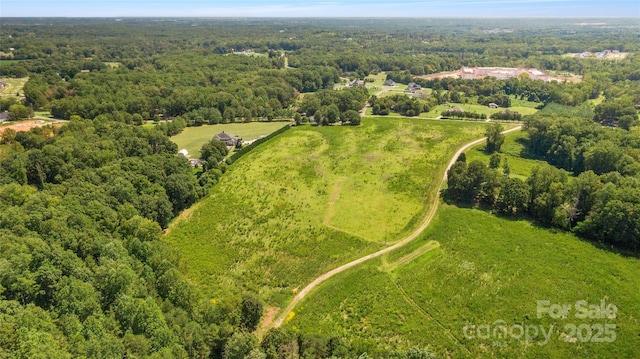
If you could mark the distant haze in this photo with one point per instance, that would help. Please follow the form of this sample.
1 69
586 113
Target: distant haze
341 8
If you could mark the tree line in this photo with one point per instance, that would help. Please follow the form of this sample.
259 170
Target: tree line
601 202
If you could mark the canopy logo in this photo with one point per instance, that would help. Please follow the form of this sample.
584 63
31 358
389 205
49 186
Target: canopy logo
603 331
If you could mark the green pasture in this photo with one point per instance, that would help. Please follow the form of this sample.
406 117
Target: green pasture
473 268
311 199
379 79
14 85
390 91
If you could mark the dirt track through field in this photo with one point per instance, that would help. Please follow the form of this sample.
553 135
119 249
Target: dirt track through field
425 223
332 203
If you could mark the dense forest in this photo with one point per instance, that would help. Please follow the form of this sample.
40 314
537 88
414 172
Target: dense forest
83 272
177 68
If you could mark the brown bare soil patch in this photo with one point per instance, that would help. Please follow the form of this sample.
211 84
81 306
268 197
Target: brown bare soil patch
24 126
267 319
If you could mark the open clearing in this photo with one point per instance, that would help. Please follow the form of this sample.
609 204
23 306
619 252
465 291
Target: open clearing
7 62
485 269
14 85
263 229
513 149
192 138
522 107
23 126
436 111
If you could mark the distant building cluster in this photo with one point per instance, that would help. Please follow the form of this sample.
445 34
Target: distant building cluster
501 73
599 55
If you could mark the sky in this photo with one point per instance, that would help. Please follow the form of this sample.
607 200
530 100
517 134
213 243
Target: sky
336 8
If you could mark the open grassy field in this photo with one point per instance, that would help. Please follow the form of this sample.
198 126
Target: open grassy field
514 149
43 114
521 106
192 138
436 111
14 85
390 91
379 79
472 268
311 199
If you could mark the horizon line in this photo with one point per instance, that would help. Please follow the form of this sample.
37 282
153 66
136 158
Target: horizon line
322 17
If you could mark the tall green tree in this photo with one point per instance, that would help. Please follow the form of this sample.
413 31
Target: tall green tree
250 312
240 345
494 161
495 138
352 117
20 112
514 197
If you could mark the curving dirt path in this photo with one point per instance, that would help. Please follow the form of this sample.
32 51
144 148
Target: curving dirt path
427 220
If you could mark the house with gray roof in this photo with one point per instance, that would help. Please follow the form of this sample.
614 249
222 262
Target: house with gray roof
227 138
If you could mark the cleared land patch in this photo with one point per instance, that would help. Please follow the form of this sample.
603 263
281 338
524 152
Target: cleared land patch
13 86
262 228
24 126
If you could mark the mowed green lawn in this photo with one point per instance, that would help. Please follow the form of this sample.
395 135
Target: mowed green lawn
311 199
485 270
192 138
